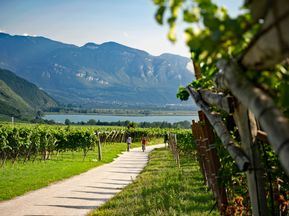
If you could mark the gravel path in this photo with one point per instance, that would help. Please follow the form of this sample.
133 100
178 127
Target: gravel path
79 194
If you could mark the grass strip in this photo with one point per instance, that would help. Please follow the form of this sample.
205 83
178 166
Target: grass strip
163 189
22 177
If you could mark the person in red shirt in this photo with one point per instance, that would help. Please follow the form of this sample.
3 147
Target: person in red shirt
143 143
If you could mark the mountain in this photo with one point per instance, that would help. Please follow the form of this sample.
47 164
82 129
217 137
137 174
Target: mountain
20 98
12 104
95 74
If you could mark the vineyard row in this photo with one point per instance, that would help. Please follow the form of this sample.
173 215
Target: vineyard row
28 142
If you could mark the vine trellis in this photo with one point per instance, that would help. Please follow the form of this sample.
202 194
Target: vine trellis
251 103
254 111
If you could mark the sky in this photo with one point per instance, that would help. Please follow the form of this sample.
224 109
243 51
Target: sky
129 22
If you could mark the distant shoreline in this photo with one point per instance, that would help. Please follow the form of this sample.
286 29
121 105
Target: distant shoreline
128 113
80 117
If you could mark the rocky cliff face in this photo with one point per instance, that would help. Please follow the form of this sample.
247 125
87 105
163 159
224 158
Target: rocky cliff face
109 73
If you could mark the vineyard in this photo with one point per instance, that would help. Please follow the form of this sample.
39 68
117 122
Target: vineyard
31 142
33 156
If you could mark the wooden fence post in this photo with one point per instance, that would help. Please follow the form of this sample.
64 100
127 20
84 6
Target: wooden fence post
214 162
99 147
248 132
205 163
207 128
173 147
208 159
218 189
198 137
177 156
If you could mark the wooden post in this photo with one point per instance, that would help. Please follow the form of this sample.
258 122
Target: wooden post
218 189
201 161
207 128
99 147
214 163
196 133
248 131
204 162
208 161
174 149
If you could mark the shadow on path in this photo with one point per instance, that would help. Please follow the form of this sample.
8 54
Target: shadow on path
85 198
73 206
105 188
96 192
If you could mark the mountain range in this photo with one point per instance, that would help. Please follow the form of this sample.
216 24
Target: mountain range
20 98
95 74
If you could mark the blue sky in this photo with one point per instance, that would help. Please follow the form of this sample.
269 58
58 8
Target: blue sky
129 22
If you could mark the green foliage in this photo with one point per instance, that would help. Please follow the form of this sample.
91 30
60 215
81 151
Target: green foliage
131 125
159 15
276 83
211 35
163 189
185 141
235 181
26 142
229 175
183 93
274 175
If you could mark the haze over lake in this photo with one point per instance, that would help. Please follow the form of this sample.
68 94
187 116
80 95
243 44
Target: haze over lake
110 118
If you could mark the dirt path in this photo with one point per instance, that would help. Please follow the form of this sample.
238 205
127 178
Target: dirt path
79 194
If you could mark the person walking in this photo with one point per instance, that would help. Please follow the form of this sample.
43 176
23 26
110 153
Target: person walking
143 143
166 139
128 141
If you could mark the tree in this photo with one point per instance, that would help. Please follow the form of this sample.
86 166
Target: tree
131 125
91 122
67 122
39 114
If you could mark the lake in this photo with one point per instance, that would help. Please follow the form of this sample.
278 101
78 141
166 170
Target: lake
110 118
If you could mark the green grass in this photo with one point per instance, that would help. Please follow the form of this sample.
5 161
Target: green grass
163 189
22 177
